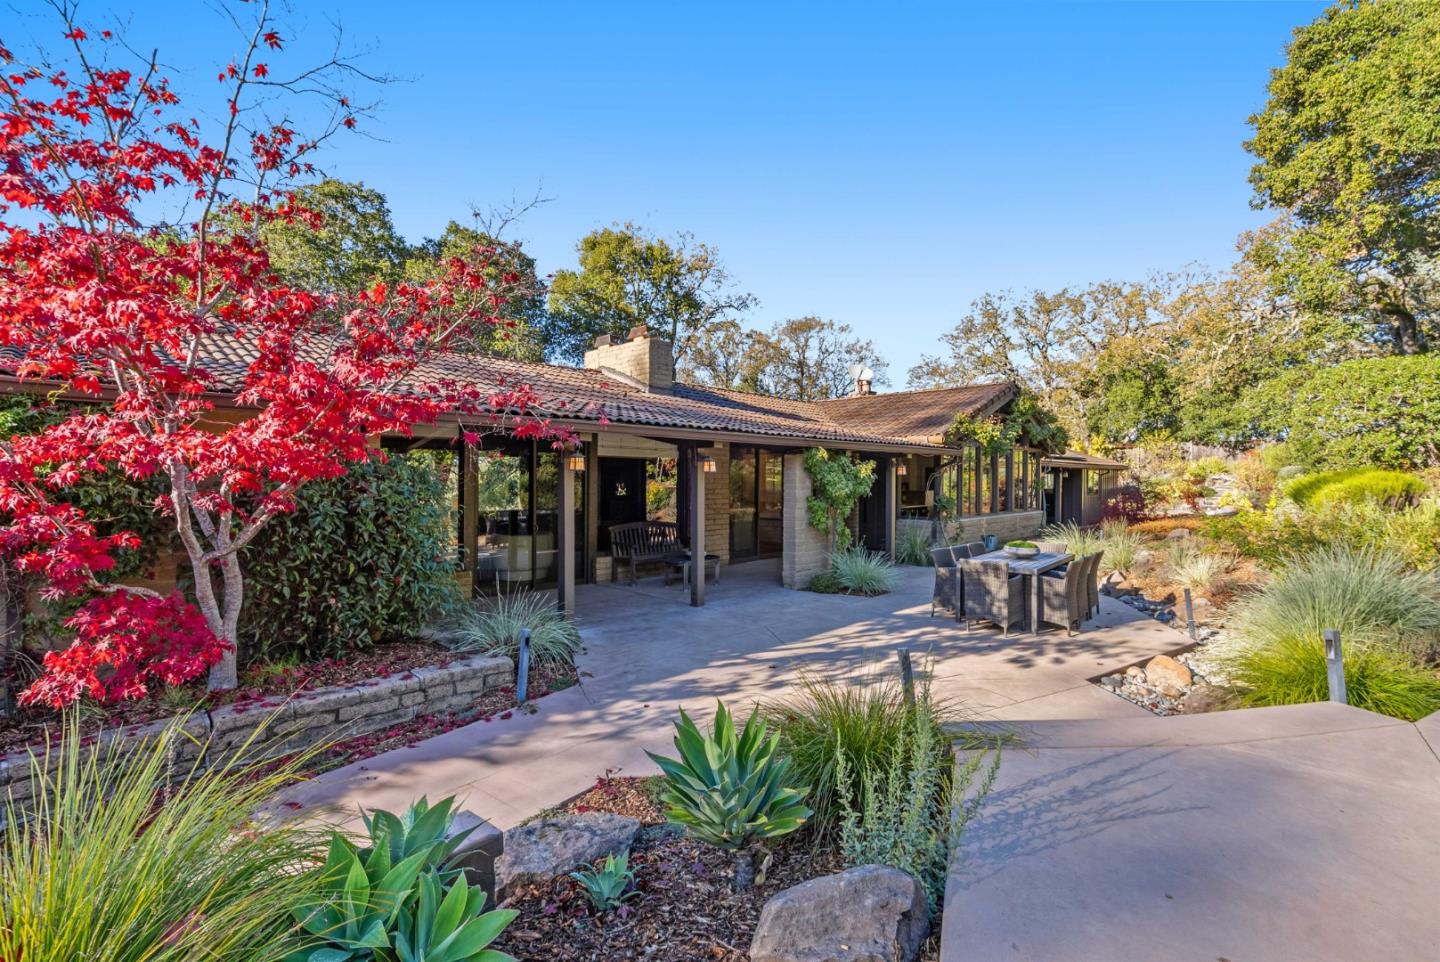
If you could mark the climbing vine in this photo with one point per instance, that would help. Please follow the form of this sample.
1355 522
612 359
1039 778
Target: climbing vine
1026 419
838 483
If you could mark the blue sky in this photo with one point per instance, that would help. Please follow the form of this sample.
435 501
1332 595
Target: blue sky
882 165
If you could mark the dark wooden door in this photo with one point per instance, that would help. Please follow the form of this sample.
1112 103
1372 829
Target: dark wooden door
622 495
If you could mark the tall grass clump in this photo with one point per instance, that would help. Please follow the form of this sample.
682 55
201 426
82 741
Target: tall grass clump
114 866
912 547
493 627
862 572
1294 671
1122 548
861 721
910 810
1388 617
1195 566
1078 541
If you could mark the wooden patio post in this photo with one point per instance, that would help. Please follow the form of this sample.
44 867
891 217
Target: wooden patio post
890 505
697 525
565 538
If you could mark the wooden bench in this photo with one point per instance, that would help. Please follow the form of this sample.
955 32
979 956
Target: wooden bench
643 541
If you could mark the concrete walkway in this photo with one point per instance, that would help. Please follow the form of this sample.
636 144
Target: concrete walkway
648 652
1291 834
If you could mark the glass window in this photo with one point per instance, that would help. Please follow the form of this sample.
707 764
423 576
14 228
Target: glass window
1092 481
742 502
1003 471
987 484
967 480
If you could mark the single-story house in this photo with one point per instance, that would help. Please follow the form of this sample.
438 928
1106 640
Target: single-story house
726 466
1077 486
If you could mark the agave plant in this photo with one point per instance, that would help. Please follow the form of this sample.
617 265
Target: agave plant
358 902
731 791
448 926
609 886
420 828
394 899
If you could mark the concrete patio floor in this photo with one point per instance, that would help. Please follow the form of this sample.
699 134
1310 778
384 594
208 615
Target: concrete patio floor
1290 834
648 652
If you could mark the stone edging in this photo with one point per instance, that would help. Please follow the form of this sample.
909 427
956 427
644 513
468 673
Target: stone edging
305 719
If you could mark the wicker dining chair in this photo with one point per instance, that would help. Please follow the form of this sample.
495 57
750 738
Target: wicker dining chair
1092 583
1051 547
1062 599
977 548
961 551
946 593
992 593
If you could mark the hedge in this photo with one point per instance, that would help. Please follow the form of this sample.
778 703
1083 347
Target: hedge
365 557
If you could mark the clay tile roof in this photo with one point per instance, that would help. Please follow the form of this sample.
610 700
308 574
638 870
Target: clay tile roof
581 394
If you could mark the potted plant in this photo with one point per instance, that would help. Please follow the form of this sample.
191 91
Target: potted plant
1022 549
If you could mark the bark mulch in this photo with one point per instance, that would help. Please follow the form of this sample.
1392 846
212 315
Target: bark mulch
686 910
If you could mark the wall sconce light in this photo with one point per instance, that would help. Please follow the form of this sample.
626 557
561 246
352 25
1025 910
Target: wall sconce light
901 469
708 465
575 460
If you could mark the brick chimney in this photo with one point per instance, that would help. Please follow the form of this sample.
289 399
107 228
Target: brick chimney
643 357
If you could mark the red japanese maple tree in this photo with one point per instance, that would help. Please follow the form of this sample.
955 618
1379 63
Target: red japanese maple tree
148 322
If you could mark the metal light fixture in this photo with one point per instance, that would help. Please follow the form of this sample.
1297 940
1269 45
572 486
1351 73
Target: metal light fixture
901 469
575 460
708 465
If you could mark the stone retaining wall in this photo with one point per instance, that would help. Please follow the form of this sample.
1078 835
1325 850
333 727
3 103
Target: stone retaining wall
1006 526
304 720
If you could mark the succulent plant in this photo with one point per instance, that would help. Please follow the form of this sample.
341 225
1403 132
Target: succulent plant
732 791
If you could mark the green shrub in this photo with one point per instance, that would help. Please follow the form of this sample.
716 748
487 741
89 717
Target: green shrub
732 791
115 867
825 583
393 898
1203 469
862 572
609 886
861 720
912 547
493 627
909 810
1290 471
1393 489
363 558
1369 596
1293 671
1355 485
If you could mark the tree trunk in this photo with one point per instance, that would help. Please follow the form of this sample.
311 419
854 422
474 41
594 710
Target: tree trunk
744 869
1409 339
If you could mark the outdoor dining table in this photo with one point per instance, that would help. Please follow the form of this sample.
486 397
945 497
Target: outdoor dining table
1032 568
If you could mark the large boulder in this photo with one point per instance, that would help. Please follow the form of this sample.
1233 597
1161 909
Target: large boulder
1167 676
546 847
873 913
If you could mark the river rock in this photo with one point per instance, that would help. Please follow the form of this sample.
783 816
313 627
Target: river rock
1167 675
873 913
546 847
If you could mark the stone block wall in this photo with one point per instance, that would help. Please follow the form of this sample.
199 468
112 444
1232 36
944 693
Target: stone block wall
295 723
717 503
1007 526
804 552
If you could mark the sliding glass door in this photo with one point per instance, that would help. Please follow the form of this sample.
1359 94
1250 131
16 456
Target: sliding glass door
756 502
